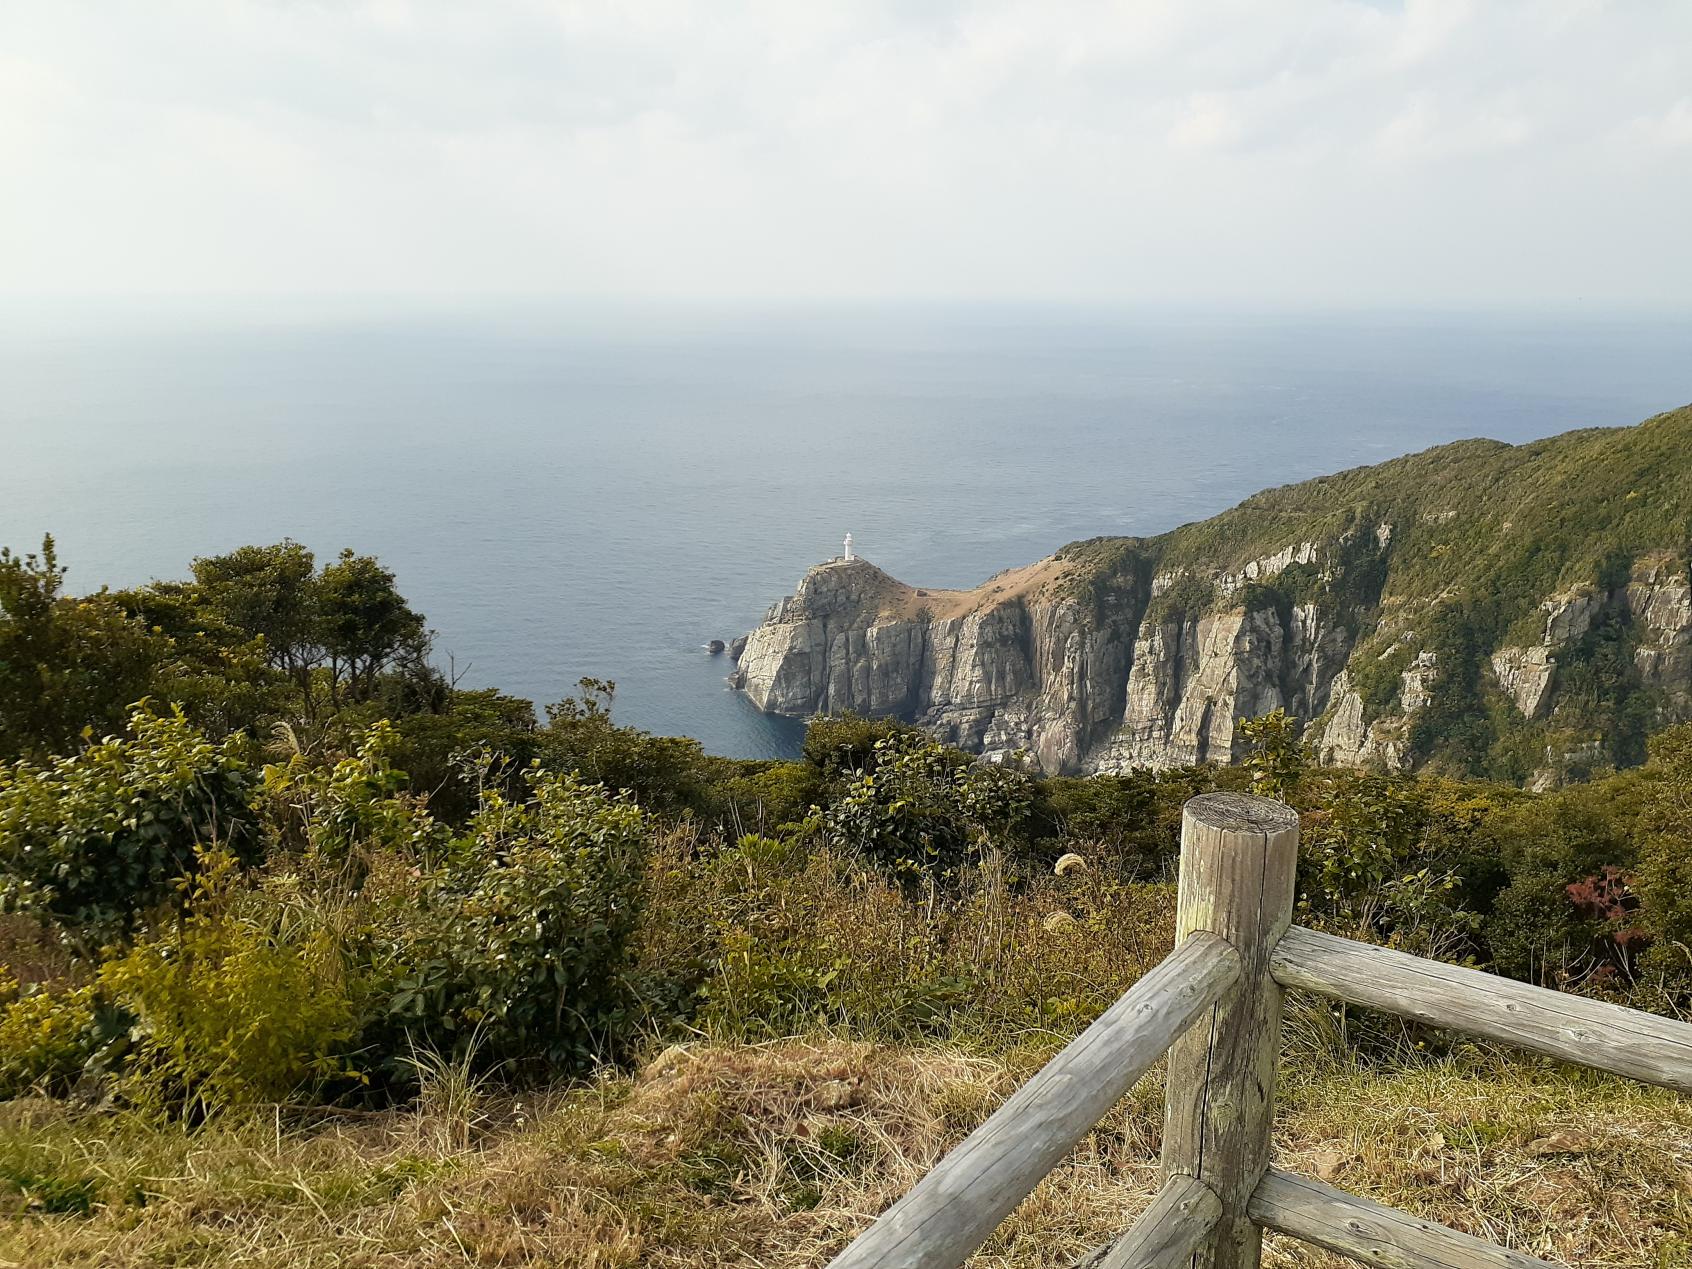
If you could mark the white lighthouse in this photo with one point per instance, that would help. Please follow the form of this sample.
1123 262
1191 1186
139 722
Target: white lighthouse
848 554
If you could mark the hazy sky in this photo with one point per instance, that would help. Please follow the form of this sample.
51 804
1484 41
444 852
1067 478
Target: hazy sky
1271 153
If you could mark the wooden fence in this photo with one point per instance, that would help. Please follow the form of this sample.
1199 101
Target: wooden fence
1214 1005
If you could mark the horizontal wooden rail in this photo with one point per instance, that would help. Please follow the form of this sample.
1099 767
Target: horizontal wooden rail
950 1212
1168 1232
1642 1046
1370 1232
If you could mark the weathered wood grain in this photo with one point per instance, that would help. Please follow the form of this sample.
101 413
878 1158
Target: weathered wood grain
1168 1232
1593 1033
1372 1232
949 1213
1239 856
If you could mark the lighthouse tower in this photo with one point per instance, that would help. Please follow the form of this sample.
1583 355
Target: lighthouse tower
848 554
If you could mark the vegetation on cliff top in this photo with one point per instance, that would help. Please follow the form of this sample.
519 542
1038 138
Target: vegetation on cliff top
1507 523
1502 526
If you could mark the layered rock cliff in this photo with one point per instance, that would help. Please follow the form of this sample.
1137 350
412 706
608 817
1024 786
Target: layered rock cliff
1523 612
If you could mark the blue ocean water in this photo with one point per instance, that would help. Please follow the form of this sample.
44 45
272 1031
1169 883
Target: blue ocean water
564 499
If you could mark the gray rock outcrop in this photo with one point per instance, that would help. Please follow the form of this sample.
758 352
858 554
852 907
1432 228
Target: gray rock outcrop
1033 662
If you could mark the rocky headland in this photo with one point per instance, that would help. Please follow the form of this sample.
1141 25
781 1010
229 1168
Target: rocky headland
1523 612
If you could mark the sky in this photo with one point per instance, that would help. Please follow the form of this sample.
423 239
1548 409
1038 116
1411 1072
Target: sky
1249 153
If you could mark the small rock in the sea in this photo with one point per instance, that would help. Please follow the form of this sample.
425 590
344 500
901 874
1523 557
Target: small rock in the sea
715 647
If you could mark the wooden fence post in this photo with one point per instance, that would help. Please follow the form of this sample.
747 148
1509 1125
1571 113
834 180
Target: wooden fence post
1239 856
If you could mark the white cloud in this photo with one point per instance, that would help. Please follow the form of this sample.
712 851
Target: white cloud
1208 123
1425 130
1670 130
1230 151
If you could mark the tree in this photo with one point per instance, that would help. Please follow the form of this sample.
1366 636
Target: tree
69 667
363 622
339 630
218 673
270 592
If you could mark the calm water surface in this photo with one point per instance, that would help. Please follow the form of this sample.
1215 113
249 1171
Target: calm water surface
563 502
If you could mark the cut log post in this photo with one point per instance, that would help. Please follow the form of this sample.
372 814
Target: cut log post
1372 1234
1239 856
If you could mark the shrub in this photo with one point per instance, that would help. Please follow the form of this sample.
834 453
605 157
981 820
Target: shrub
1664 879
844 744
765 799
925 809
352 806
1395 861
524 933
1278 757
231 1007
666 774
96 838
1544 845
47 1037
67 666
442 751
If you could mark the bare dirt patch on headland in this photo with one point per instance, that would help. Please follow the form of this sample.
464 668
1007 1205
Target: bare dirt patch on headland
911 603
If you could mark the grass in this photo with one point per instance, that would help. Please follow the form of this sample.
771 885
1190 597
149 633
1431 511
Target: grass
774 1154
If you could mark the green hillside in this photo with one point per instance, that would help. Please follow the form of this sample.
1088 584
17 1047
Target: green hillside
1456 552
1506 523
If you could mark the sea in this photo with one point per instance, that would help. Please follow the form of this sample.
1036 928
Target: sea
570 494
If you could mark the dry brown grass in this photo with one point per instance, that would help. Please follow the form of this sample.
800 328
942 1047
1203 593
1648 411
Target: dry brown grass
773 1154
899 600
31 952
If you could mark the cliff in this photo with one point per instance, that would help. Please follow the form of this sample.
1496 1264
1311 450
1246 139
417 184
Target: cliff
1523 612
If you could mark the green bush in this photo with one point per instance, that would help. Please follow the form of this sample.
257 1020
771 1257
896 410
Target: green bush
1278 756
1664 881
68 667
1543 846
232 1007
352 806
924 809
665 774
46 1037
797 938
96 838
520 949
442 751
765 799
846 744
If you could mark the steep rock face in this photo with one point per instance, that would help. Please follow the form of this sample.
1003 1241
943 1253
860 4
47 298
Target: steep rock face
1146 681
1010 672
1350 738
1527 675
1655 608
1193 679
1468 605
1659 599
1042 671
821 650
